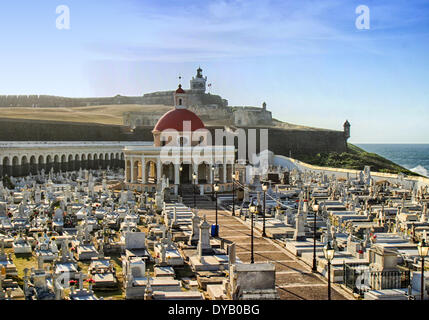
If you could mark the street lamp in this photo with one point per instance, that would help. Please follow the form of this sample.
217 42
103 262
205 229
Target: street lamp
234 176
423 252
314 269
252 210
329 255
264 188
194 178
213 172
216 189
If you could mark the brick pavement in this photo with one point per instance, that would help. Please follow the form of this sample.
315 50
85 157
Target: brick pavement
294 279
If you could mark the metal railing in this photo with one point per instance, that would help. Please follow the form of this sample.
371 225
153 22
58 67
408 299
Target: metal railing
361 279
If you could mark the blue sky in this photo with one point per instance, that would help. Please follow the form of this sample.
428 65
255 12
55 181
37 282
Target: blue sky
306 59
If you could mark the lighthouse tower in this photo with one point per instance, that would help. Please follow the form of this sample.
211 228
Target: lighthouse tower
198 83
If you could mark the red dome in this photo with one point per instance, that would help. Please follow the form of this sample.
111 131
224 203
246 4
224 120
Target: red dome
174 120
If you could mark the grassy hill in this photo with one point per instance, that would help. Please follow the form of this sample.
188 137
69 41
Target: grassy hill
110 114
356 158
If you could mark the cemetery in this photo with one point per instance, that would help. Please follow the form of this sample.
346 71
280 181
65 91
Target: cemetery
220 229
75 236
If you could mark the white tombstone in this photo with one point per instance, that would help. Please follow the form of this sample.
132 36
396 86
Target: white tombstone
135 240
204 238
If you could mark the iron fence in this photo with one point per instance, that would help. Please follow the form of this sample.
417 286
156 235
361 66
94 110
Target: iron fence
360 279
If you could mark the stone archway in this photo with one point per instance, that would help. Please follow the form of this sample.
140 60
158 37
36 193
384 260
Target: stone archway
151 171
77 163
90 162
7 168
186 173
95 162
25 166
33 165
56 164
122 162
203 173
112 161
168 171
41 164
100 161
84 161
70 163
49 164
64 163
16 168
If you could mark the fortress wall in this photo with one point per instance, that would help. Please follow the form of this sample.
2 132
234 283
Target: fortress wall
298 142
302 142
215 112
163 98
280 141
33 130
44 101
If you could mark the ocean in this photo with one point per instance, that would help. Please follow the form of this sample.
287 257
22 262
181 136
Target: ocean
414 157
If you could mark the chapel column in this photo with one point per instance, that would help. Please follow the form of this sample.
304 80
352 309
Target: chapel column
158 170
143 170
132 170
177 174
126 169
211 173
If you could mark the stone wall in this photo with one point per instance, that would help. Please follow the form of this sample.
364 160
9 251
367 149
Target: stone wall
194 98
280 141
252 116
44 101
155 98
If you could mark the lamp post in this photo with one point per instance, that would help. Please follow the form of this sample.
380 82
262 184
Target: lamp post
233 194
329 255
314 269
213 172
423 252
180 178
194 178
252 210
216 189
264 188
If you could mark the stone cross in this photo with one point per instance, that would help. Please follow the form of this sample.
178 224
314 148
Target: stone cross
195 227
163 254
40 262
231 254
204 238
299 234
148 289
80 281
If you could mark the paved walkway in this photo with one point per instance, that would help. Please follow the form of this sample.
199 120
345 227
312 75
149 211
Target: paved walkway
294 279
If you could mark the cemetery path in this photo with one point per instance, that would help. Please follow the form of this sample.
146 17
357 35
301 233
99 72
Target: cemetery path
294 279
